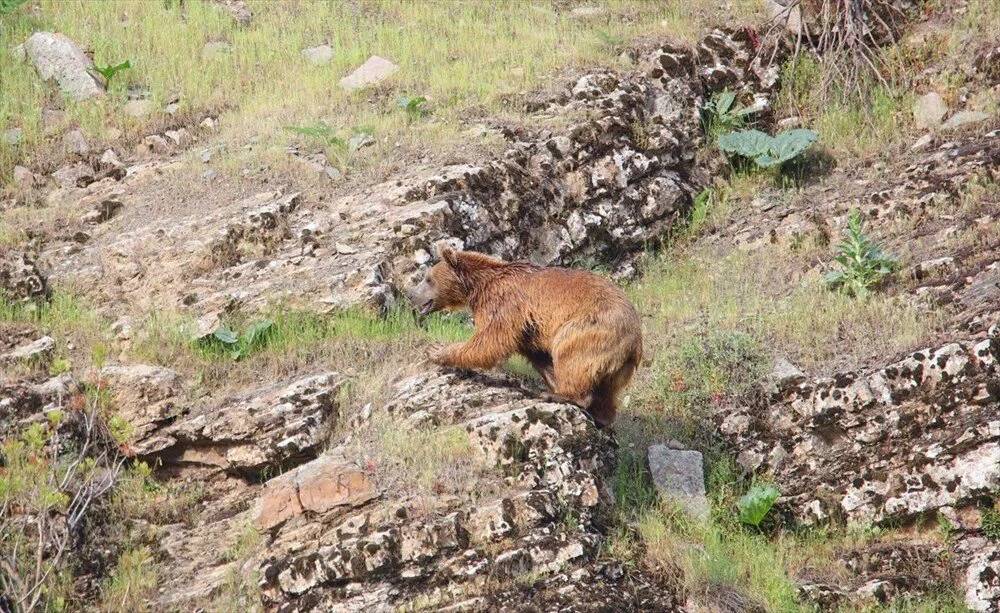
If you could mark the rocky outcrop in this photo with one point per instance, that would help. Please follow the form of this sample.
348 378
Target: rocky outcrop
337 540
20 277
599 191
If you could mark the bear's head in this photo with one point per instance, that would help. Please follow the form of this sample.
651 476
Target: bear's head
442 289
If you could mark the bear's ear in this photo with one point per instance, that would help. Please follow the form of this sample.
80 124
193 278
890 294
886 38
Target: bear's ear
448 255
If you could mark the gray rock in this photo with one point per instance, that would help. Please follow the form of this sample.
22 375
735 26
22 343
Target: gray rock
929 110
58 58
12 136
784 374
37 350
923 143
138 108
74 175
23 177
319 55
588 12
214 49
679 476
375 70
172 108
964 118
786 12
20 278
75 142
209 123
109 161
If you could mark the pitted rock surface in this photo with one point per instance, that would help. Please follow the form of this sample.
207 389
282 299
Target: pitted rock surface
600 191
20 277
379 553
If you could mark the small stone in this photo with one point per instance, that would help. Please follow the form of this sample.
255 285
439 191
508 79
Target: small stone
213 49
74 175
421 419
209 123
923 143
102 212
784 374
319 55
790 122
375 70
679 476
75 142
343 249
929 110
964 118
588 12
13 136
23 177
138 108
179 137
52 121
109 161
421 257
172 108
36 350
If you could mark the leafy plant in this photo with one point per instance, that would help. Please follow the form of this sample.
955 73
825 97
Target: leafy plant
863 263
723 114
239 346
990 524
338 148
756 503
8 6
109 71
414 106
765 150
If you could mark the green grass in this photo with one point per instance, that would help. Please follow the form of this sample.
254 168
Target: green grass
132 582
467 58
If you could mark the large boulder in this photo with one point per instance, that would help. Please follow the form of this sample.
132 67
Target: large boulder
59 59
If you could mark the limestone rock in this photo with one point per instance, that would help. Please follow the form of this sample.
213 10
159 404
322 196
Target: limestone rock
679 477
138 108
20 278
35 351
76 143
929 110
315 487
58 58
319 55
375 70
964 118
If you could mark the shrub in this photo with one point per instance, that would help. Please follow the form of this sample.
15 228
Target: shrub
723 114
767 151
863 263
756 503
414 106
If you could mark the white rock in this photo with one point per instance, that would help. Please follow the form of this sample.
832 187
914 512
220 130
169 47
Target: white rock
929 110
13 136
319 55
923 143
375 70
58 58
138 108
35 350
964 118
75 142
214 49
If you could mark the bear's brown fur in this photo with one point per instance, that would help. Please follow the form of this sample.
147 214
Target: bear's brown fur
577 329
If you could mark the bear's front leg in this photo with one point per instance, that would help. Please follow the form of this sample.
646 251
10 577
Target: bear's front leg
488 347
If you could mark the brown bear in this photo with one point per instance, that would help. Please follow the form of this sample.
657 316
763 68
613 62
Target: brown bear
577 329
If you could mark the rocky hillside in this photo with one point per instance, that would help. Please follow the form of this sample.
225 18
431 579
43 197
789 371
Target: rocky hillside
214 393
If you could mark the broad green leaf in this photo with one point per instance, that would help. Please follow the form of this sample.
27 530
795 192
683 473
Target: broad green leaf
790 143
225 335
756 503
748 143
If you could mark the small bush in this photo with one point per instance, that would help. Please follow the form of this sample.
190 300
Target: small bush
863 263
756 503
723 114
990 524
414 106
131 583
767 151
